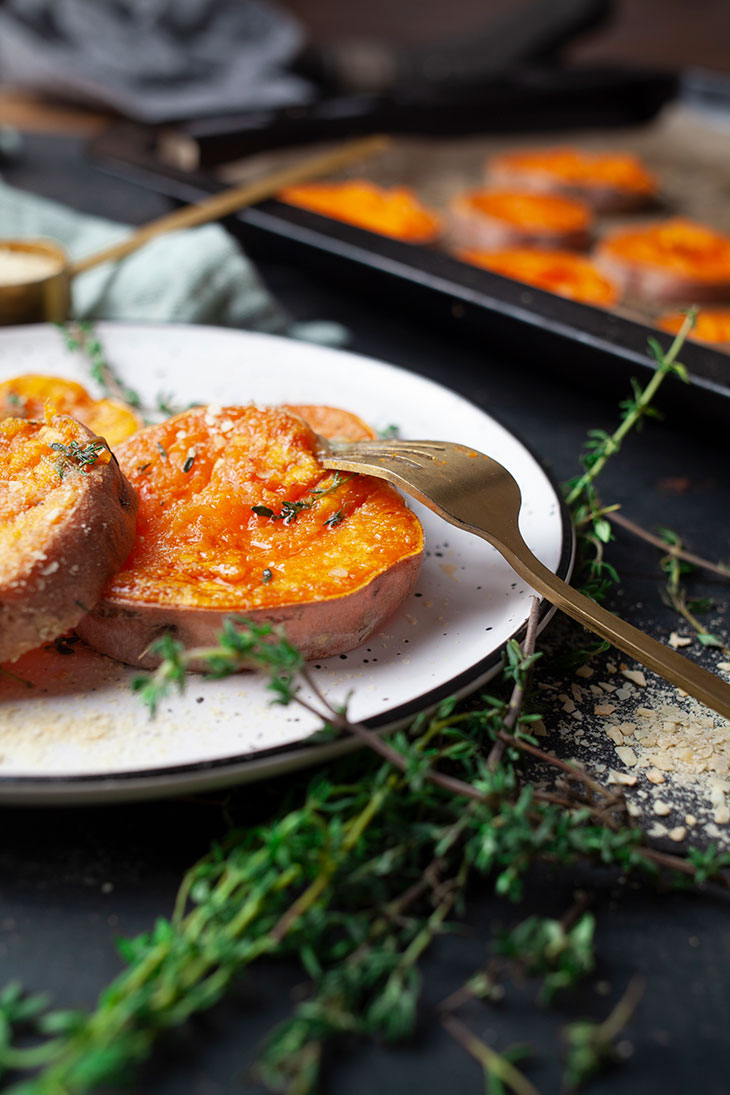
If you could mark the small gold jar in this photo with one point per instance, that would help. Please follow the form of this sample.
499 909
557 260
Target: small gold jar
35 282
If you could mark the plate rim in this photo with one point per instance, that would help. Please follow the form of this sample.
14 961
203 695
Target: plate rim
130 785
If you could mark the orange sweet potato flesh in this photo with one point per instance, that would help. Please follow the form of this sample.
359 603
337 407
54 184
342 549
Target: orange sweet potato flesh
491 219
674 260
330 574
608 181
332 422
67 521
29 395
395 212
559 272
712 325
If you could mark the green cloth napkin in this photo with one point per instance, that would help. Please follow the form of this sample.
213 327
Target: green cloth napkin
197 275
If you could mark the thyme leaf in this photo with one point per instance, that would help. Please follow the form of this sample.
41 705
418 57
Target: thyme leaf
290 510
80 337
77 456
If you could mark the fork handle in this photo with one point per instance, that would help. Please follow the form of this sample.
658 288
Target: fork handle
674 667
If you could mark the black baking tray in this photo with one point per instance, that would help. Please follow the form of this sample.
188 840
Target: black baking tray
582 345
530 99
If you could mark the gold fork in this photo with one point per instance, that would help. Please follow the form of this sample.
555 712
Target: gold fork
475 493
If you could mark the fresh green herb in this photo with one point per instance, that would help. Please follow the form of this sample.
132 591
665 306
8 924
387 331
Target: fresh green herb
389 431
676 567
335 519
162 451
397 844
80 337
166 405
592 1046
357 878
77 456
562 955
591 517
291 510
16 400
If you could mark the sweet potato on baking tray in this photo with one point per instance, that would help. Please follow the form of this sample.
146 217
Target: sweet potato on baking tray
28 396
560 272
67 520
238 516
395 212
610 182
712 325
674 260
485 220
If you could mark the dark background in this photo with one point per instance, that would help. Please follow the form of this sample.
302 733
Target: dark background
661 33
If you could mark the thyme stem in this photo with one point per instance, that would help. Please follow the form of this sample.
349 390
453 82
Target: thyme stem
665 365
492 1062
670 549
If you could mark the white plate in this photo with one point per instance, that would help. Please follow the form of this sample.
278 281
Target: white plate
80 734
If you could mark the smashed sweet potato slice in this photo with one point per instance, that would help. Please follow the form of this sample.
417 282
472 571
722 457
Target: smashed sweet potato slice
395 212
711 325
67 520
29 395
674 260
607 181
491 219
559 272
332 422
237 515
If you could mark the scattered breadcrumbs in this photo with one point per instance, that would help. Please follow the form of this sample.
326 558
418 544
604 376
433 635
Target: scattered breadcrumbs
668 754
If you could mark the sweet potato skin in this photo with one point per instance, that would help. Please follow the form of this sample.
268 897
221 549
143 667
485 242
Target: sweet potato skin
124 629
332 581
55 569
486 220
669 262
607 181
561 272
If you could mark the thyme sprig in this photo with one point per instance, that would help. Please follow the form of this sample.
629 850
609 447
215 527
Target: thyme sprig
591 1046
675 565
291 510
601 445
355 883
360 875
77 456
590 515
81 337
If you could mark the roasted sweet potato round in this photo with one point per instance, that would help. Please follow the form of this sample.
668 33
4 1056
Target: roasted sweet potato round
610 182
485 220
30 395
395 212
67 520
712 326
560 272
237 516
675 260
332 422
